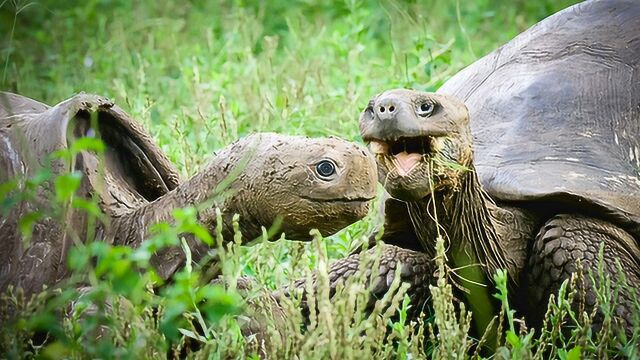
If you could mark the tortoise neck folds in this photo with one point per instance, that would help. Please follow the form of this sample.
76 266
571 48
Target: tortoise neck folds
424 148
205 191
469 222
301 183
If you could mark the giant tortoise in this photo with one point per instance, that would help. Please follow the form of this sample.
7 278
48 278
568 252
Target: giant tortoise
302 183
536 173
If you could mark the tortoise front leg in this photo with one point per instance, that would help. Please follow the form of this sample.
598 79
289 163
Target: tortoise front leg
416 269
563 241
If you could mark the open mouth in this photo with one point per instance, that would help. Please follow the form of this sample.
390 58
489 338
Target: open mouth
404 153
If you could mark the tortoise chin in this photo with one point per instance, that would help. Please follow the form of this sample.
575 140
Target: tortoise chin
426 178
410 187
350 212
413 175
327 216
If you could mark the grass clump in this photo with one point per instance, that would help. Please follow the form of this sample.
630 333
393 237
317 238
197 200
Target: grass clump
198 75
114 305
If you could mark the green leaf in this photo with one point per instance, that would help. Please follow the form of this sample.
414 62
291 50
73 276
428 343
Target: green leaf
201 233
78 258
513 339
89 206
40 177
66 185
56 350
191 334
127 282
26 223
452 165
87 143
63 154
575 353
7 187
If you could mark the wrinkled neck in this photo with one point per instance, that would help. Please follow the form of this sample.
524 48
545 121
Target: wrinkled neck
466 220
205 191
204 187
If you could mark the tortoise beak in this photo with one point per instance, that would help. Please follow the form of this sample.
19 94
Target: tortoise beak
404 153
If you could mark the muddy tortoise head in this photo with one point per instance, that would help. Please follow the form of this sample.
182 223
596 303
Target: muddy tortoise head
421 141
307 183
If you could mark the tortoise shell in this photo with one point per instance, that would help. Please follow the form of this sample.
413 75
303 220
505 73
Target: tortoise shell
134 171
555 113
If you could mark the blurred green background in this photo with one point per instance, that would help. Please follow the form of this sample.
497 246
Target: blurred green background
200 74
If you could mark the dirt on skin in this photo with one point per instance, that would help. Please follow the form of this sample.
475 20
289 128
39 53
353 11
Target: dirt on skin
274 178
301 183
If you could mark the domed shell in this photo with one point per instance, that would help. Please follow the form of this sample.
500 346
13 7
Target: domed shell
555 113
31 131
134 171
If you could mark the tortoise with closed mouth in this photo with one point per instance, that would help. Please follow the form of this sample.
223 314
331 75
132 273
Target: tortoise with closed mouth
301 183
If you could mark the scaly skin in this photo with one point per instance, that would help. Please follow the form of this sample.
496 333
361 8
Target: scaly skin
263 177
568 238
273 177
416 269
450 201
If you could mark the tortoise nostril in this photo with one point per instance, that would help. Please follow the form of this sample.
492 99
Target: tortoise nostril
386 108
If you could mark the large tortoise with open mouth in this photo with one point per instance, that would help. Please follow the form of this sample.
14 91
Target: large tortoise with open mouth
536 173
301 183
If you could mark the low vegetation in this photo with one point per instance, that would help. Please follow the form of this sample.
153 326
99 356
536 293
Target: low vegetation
199 75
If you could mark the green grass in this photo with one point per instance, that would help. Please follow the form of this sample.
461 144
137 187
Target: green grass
200 74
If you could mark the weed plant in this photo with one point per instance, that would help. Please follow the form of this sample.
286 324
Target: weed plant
198 75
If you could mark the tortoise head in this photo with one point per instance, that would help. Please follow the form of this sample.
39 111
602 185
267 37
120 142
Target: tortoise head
422 141
309 183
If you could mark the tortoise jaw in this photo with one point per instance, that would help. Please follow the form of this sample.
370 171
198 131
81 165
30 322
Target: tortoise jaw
343 200
405 153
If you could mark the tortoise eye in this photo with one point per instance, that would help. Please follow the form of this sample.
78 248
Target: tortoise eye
325 168
425 109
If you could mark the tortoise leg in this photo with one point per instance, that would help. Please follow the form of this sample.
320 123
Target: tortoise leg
416 269
563 241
